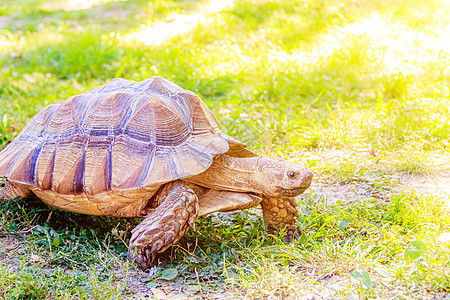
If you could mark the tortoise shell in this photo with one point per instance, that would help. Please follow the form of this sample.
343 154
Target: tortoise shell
122 136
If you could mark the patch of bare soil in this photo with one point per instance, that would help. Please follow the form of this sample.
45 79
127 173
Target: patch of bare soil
10 249
331 193
436 184
171 291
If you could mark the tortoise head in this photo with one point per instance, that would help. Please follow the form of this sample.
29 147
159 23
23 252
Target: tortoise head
280 178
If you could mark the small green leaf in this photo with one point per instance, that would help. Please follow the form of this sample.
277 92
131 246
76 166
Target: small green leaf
414 250
152 284
56 242
342 224
364 278
169 274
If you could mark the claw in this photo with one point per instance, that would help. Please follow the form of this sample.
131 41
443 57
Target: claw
145 265
165 225
291 232
139 259
148 253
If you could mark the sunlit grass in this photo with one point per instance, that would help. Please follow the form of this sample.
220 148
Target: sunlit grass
357 90
396 244
156 33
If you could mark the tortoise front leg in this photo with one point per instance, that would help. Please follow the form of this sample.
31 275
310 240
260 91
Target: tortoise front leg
280 214
11 191
165 225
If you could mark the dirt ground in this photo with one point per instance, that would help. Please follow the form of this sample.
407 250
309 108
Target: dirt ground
436 184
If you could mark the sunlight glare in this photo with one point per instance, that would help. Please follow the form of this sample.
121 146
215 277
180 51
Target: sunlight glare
176 24
74 5
6 38
395 47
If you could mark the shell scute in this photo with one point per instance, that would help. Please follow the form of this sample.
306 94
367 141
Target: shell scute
45 163
98 161
67 117
68 165
106 115
130 159
24 145
24 167
159 85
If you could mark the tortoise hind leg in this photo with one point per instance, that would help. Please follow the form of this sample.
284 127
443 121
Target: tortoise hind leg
165 225
11 191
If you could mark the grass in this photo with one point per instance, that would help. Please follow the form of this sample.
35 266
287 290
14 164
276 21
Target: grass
357 90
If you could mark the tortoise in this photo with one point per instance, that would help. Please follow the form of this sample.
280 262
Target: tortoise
146 149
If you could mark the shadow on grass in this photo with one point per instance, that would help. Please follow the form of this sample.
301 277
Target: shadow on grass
26 213
45 223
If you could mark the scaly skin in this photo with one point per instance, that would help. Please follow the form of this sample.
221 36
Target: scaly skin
165 225
275 180
11 191
280 214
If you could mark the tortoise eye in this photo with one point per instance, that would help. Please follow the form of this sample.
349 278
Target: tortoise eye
291 174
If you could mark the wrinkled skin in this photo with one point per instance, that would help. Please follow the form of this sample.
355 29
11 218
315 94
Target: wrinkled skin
280 216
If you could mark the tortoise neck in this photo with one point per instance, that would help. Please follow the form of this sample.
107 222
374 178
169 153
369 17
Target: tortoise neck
230 174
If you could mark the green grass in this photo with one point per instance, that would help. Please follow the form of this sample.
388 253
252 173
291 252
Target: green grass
357 90
33 283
